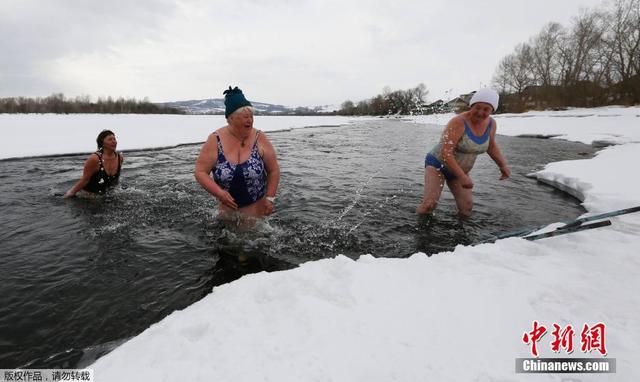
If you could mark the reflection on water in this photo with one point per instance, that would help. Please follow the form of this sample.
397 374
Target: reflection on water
81 276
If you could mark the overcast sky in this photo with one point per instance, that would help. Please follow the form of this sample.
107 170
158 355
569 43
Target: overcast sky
291 52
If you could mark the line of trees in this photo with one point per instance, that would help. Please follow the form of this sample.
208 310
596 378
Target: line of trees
410 101
594 62
57 103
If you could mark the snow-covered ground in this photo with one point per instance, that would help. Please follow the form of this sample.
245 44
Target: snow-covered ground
50 134
456 316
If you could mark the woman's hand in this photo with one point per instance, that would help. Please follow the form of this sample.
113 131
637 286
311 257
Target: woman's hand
225 198
466 182
504 170
91 166
268 207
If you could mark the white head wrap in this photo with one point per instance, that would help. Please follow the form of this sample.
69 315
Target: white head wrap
486 95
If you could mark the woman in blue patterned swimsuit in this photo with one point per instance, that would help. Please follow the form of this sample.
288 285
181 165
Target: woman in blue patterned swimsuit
466 136
243 162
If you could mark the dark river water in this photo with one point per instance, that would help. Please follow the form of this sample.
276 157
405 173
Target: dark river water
78 277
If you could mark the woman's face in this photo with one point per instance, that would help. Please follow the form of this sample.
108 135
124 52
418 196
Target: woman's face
481 111
110 142
243 118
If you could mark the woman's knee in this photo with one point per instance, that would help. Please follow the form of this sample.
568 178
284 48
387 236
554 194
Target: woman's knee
427 206
465 208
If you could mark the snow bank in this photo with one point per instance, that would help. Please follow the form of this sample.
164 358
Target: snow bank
27 135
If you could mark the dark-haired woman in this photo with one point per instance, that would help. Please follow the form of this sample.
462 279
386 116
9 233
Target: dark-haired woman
101 169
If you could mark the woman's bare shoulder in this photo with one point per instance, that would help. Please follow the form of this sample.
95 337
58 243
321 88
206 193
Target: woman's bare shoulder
215 134
93 158
456 122
92 162
262 138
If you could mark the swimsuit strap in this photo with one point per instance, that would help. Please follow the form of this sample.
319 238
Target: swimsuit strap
477 139
119 163
485 130
99 155
221 157
255 143
488 129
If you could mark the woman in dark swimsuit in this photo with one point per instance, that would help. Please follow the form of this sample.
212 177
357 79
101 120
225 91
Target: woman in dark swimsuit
243 162
101 169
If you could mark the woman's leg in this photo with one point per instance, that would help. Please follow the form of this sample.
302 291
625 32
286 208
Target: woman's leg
463 197
433 183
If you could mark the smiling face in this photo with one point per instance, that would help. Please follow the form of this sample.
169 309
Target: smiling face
109 142
242 118
480 111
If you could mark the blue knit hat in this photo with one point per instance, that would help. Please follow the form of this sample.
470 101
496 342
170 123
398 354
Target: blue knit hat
233 100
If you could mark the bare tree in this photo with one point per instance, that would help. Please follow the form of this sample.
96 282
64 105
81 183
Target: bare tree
500 81
57 103
579 47
545 54
389 102
624 43
515 72
347 107
594 62
419 95
379 105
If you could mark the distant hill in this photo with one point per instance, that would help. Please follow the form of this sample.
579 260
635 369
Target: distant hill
216 106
